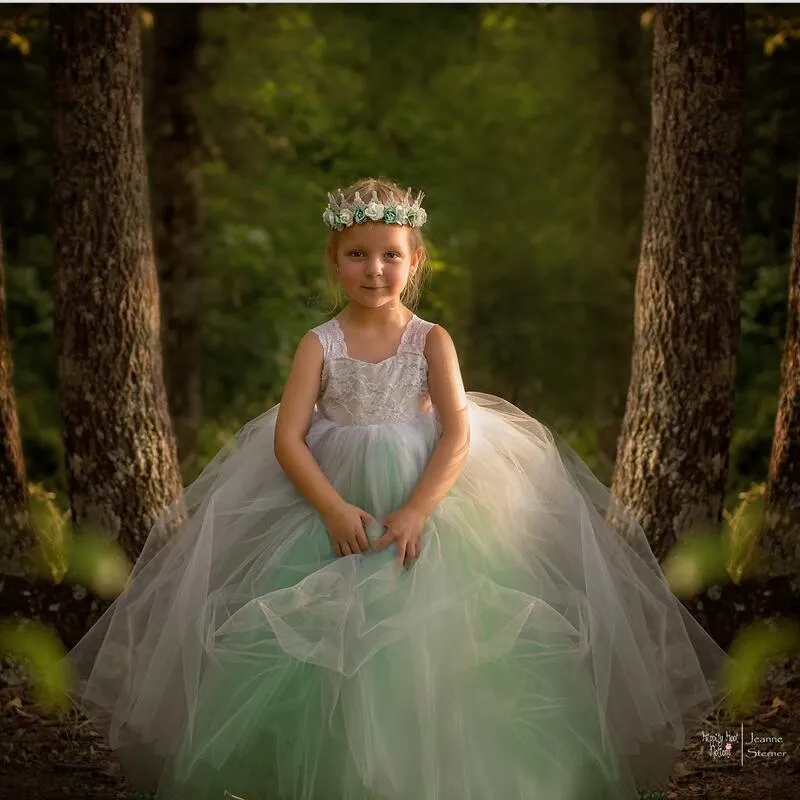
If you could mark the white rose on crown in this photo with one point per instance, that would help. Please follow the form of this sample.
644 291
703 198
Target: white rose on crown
346 216
374 211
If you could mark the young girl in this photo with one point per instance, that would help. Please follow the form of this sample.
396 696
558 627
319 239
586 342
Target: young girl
386 588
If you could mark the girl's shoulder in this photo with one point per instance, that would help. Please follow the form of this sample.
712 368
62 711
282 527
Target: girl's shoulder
329 336
437 344
416 334
323 329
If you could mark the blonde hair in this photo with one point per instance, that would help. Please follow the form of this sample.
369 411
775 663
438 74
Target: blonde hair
387 191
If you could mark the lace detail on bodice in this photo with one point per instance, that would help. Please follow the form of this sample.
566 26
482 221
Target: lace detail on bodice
354 392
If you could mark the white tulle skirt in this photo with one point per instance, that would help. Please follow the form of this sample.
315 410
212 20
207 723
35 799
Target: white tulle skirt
532 652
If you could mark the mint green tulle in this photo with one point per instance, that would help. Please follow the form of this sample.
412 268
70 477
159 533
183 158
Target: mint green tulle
531 652
284 732
437 705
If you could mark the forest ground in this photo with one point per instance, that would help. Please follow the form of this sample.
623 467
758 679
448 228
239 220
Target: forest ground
46 758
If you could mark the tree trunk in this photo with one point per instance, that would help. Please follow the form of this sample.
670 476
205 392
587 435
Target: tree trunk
175 170
771 591
17 542
122 466
779 537
673 452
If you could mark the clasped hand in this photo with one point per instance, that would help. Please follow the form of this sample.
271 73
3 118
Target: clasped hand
403 527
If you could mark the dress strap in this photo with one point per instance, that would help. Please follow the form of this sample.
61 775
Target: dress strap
331 338
415 336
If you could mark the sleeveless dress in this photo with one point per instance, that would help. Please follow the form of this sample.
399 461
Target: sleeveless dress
533 651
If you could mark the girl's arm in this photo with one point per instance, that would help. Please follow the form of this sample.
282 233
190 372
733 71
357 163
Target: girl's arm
294 419
446 389
345 522
405 526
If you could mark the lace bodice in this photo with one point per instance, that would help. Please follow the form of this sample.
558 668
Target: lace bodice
354 392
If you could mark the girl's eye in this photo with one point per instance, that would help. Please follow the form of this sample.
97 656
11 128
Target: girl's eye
360 254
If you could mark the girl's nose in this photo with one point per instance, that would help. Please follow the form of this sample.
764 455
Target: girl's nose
374 266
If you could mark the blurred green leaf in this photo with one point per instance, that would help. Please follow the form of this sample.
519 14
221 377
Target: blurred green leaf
699 559
751 653
42 653
97 562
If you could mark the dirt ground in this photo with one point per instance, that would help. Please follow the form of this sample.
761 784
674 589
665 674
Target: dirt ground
44 758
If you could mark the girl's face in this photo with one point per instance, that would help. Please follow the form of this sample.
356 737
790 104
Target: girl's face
374 262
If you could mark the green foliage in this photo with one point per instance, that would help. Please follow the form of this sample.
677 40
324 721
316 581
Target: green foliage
527 127
751 653
41 653
699 559
729 552
744 526
505 123
86 557
49 523
772 105
713 556
95 560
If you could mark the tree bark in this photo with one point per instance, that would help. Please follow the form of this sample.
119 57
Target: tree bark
176 176
779 537
17 542
672 458
121 460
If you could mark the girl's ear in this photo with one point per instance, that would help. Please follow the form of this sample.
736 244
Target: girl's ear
416 259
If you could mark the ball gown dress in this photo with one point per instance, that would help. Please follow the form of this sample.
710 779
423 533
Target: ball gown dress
533 651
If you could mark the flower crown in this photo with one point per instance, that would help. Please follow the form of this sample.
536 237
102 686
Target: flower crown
341 214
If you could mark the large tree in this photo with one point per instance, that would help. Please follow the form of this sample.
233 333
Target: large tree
176 179
17 543
26 589
780 534
672 456
771 584
121 460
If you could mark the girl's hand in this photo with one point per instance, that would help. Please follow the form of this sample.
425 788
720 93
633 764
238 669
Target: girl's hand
346 528
404 527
